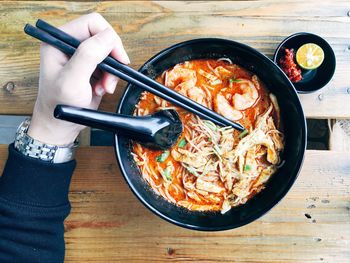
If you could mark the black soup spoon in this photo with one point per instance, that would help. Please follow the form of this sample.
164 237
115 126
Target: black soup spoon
160 130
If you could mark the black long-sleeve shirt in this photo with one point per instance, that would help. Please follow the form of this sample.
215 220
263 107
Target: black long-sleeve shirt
33 205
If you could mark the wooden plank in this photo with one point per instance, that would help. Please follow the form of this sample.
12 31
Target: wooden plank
108 223
148 27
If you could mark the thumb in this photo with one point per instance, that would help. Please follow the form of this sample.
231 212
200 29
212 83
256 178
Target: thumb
90 53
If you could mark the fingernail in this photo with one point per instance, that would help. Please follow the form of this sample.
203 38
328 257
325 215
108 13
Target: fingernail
100 91
127 59
111 84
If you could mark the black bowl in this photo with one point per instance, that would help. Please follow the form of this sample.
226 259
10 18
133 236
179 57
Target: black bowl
291 112
316 79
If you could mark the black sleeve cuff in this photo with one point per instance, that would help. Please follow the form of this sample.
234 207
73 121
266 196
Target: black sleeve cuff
34 182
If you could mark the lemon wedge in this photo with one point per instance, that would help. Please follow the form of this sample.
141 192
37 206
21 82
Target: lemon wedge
310 56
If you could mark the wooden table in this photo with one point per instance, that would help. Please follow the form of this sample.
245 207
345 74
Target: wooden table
107 223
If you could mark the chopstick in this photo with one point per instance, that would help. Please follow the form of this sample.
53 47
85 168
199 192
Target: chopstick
68 44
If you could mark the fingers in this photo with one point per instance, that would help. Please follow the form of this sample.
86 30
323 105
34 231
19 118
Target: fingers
99 90
119 53
85 26
109 82
92 24
93 50
95 102
80 28
89 54
51 59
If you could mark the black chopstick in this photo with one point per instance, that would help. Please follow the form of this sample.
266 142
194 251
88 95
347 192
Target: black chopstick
180 100
69 50
68 44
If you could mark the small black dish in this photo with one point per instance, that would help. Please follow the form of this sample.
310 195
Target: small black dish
291 114
316 79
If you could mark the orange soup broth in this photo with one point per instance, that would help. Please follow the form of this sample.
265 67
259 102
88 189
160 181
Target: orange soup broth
226 88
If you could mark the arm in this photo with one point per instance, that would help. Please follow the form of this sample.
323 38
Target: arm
34 193
33 205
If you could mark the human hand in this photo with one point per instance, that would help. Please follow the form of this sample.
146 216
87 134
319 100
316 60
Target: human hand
74 81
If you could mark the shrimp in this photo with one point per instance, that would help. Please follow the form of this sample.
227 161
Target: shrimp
222 106
249 96
199 96
180 76
194 93
240 102
183 80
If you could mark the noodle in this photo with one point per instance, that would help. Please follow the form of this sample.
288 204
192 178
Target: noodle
225 59
213 168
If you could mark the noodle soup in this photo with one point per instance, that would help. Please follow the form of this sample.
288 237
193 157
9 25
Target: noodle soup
213 168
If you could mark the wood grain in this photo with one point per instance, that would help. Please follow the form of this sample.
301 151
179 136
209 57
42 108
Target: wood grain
108 223
148 27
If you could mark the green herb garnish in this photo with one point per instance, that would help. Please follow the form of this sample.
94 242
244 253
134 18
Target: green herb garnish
182 143
166 173
234 80
161 158
216 82
243 133
247 167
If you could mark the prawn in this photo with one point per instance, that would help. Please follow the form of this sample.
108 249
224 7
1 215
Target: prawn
240 102
183 80
199 96
249 96
222 106
180 76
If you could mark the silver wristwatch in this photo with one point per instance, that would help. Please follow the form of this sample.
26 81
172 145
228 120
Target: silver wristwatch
39 150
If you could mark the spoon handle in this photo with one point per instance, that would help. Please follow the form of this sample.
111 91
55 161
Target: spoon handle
132 126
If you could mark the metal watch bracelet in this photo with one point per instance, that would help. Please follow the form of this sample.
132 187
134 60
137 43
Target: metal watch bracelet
39 150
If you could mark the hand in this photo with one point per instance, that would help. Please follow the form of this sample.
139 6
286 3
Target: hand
74 81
